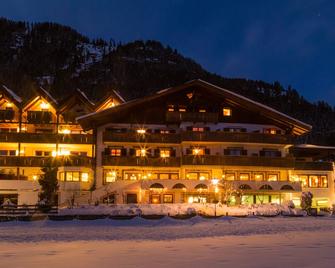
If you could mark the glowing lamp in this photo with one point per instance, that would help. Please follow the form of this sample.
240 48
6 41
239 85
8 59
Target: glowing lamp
141 131
44 106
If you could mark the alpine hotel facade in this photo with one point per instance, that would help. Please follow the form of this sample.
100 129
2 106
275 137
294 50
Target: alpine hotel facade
190 143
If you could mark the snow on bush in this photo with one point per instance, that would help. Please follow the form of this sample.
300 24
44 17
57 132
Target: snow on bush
186 209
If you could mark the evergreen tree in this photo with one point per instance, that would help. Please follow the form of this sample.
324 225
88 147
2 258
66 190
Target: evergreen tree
49 184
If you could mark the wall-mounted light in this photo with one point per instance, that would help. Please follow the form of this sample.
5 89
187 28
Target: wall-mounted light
44 105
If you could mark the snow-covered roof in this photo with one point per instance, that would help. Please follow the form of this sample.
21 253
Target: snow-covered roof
12 94
85 96
313 146
49 95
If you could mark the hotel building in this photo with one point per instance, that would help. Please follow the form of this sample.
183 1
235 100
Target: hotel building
191 143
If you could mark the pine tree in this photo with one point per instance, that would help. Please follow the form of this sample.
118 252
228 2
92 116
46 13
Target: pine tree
49 184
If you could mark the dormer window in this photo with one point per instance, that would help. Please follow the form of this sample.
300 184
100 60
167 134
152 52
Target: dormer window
227 112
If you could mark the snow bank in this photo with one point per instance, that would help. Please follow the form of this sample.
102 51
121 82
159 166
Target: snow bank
184 209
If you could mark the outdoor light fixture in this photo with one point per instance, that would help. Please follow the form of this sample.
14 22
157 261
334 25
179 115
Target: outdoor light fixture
9 104
141 131
44 106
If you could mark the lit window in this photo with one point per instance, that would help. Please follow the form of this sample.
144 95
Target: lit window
115 152
198 151
110 176
229 176
155 199
258 176
141 131
198 129
182 109
272 177
271 131
171 108
141 152
322 202
197 176
44 106
318 181
84 177
168 198
304 180
164 153
226 112
202 110
244 176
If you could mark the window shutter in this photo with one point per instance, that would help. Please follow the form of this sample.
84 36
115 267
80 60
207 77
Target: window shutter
188 151
107 151
278 154
244 152
262 153
156 152
149 152
173 152
123 152
207 151
131 151
226 152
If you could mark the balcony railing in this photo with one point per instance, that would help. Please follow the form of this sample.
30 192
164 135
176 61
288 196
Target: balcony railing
6 115
191 117
135 137
301 165
207 136
46 138
220 136
140 161
238 161
34 161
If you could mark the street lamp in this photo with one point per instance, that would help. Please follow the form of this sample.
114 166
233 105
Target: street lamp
215 183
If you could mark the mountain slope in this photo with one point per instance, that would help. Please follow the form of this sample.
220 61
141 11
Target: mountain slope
61 59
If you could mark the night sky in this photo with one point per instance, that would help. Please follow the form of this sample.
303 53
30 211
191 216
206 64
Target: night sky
289 41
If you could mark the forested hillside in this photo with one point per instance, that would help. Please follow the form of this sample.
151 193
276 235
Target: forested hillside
61 59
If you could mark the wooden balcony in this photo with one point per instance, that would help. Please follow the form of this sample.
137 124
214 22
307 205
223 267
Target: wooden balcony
285 162
34 161
140 161
7 115
220 136
141 138
302 165
176 117
46 138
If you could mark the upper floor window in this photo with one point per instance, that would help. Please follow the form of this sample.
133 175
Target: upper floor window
141 131
140 152
170 108
272 131
182 109
234 129
227 112
270 153
315 181
273 177
164 153
202 110
115 152
235 151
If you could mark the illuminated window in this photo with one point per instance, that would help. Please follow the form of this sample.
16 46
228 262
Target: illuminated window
171 108
271 131
174 176
244 176
164 153
229 176
322 202
202 110
141 131
141 152
197 176
182 109
110 176
115 152
61 176
304 180
227 112
44 106
155 199
198 129
234 151
133 176
273 177
258 176
72 176
84 177
168 198
198 151
315 181
164 176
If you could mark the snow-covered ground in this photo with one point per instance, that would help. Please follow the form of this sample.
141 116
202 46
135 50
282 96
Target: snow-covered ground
196 242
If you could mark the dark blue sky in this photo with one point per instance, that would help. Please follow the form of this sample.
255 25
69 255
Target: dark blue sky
289 41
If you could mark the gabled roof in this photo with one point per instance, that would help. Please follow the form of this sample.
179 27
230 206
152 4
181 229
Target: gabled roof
102 117
9 94
112 95
78 96
41 92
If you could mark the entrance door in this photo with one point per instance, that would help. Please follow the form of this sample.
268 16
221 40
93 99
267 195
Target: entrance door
131 198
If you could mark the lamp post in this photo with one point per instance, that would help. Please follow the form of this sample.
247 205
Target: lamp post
215 183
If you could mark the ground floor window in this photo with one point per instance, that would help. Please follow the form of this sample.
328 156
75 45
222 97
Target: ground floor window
110 176
197 198
131 198
8 199
109 199
155 199
260 199
168 198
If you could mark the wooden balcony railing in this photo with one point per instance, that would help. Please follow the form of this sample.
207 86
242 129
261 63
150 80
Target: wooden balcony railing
140 161
46 138
220 136
6 115
191 117
301 165
135 137
34 161
238 161
206 136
